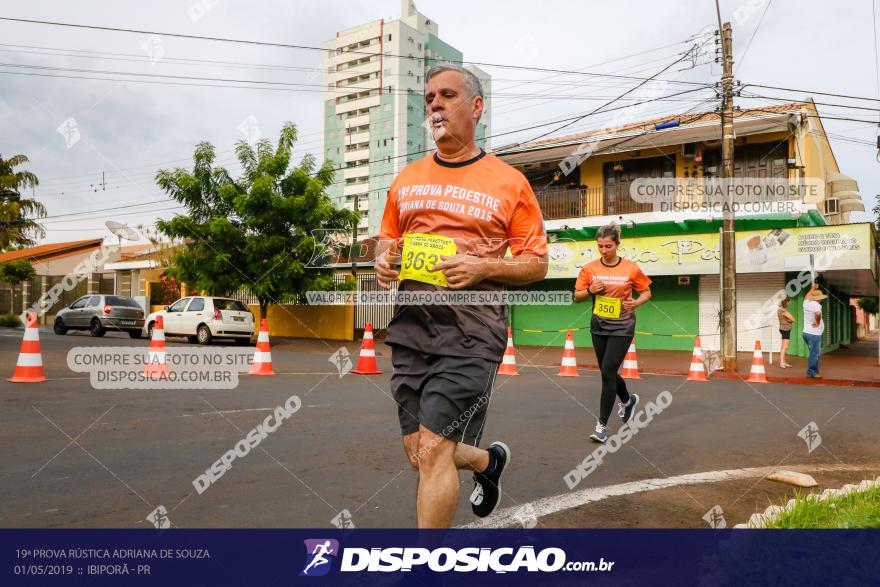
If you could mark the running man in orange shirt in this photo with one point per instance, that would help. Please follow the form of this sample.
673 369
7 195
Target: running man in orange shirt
611 279
456 212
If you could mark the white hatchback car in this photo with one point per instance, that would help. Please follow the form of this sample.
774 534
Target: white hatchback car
203 318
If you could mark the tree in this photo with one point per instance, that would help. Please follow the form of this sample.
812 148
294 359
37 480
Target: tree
255 231
869 305
16 271
876 210
18 225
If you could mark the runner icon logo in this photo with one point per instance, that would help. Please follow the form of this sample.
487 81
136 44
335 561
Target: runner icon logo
715 518
320 553
810 434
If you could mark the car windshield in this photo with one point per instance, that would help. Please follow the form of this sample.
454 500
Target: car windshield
222 304
119 301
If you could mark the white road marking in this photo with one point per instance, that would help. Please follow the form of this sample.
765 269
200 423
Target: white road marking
236 411
507 517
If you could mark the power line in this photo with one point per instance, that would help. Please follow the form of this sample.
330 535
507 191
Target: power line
871 122
112 56
802 92
876 52
113 208
629 91
752 38
830 104
314 48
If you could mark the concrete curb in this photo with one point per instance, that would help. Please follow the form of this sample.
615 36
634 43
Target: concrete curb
774 512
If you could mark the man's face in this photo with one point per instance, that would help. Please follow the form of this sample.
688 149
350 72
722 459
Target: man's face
452 111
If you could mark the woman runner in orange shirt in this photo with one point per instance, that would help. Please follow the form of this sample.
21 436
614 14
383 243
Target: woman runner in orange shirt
610 279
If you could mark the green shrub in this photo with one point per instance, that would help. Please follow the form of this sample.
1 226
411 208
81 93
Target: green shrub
10 320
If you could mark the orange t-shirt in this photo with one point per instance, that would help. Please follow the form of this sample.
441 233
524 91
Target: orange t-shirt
485 206
619 280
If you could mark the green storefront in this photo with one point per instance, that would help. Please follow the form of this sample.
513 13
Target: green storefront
774 258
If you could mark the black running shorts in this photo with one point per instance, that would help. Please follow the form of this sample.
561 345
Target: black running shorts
447 395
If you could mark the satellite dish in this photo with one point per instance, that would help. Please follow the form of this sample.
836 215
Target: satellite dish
122 231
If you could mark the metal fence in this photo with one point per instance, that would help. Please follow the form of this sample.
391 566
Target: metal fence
379 315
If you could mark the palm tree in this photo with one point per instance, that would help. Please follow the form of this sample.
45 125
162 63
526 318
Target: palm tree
18 227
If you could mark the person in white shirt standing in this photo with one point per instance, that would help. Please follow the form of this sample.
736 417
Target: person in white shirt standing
814 326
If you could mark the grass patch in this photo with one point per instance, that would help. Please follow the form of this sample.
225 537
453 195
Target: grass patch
860 509
10 320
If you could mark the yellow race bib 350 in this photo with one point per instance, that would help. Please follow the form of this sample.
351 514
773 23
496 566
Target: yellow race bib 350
420 253
606 307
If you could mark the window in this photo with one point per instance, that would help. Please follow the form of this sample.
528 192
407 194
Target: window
80 303
223 304
179 305
121 301
197 305
93 302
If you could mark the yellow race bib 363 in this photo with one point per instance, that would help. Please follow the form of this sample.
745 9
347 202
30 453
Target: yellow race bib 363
420 253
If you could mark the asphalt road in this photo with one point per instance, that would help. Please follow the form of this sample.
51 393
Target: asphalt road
75 456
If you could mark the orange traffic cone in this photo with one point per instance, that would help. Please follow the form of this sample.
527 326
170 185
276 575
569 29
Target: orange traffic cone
367 359
508 363
157 364
29 368
630 368
757 374
262 356
698 370
568 367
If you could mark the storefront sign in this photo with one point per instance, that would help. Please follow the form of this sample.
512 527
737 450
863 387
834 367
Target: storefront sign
762 251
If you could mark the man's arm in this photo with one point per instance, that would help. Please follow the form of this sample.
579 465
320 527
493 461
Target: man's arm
387 256
526 268
462 271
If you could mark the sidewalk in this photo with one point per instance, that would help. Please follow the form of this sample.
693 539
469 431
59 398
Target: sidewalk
856 365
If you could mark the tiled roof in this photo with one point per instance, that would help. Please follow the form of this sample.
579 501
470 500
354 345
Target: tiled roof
51 250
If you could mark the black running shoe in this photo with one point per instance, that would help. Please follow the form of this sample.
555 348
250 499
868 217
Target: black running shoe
487 489
626 409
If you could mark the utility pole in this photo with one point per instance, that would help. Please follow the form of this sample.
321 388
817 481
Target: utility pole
728 228
354 238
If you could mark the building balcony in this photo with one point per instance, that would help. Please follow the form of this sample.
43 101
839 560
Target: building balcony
570 203
356 188
358 104
359 171
562 203
357 138
357 121
356 155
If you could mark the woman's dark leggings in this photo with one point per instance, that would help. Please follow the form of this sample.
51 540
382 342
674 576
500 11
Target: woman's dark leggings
610 352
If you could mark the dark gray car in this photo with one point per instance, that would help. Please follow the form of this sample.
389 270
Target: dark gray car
100 313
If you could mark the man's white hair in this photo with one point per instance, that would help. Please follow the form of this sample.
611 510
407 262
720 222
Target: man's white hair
471 82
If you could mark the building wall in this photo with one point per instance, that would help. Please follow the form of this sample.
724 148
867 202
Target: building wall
322 322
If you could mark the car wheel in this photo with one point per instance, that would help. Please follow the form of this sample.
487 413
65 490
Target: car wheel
96 329
242 341
59 327
203 334
150 330
135 333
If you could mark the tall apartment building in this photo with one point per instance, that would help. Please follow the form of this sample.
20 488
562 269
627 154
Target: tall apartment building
374 108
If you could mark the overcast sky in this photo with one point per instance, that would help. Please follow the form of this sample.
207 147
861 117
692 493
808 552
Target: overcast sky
128 130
